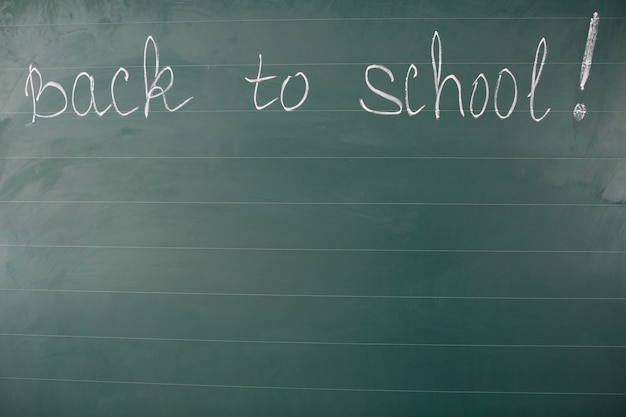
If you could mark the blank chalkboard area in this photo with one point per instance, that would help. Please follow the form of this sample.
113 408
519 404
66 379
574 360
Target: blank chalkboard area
312 208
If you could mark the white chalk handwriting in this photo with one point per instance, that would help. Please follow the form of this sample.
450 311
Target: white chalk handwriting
440 81
50 99
35 88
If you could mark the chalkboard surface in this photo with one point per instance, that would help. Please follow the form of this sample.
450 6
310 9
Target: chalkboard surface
312 208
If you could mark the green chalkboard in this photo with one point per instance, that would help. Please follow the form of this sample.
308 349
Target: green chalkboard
312 208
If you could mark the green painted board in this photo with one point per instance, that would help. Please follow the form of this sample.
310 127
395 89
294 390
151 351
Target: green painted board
312 208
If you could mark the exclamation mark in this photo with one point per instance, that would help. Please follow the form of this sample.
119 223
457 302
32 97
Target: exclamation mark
580 110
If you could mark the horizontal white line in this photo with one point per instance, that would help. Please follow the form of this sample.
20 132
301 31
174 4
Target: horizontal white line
316 343
280 295
434 158
276 249
293 388
320 203
208 111
321 19
308 64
